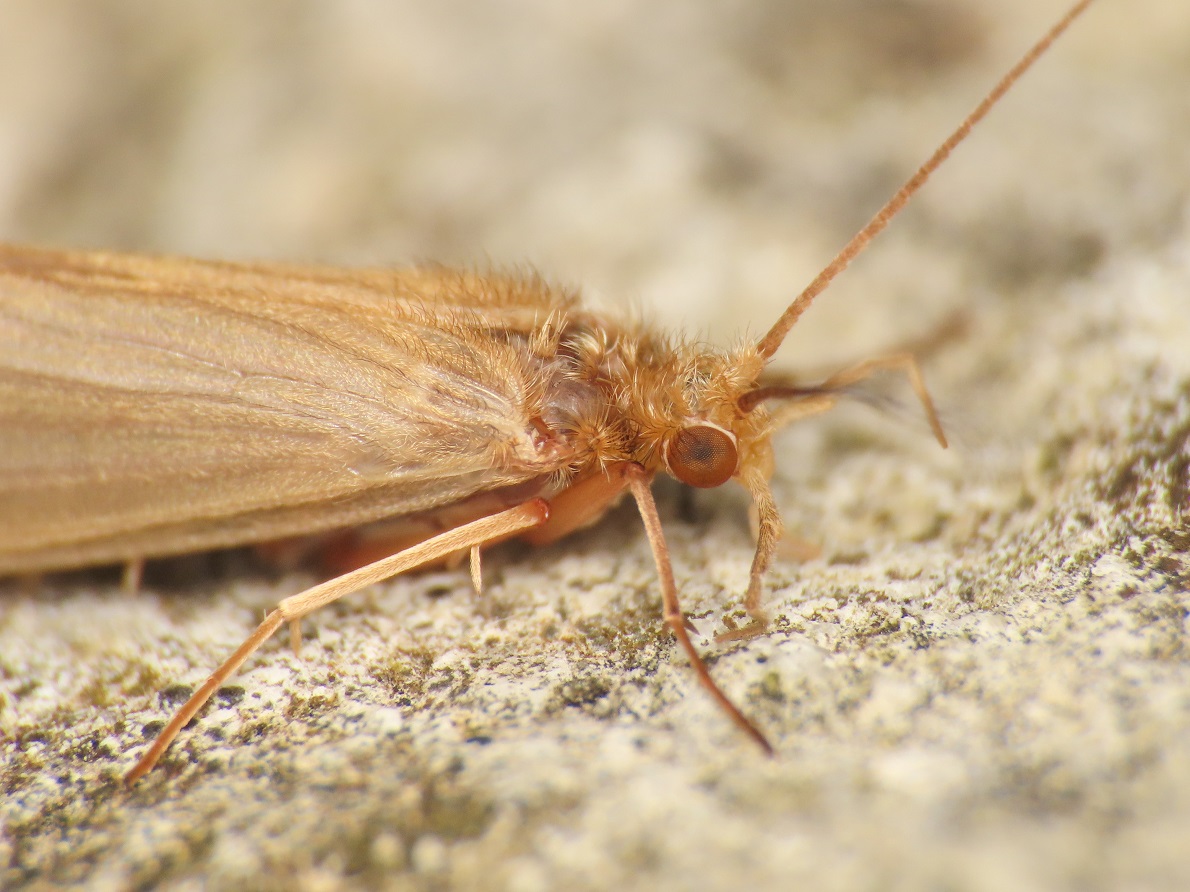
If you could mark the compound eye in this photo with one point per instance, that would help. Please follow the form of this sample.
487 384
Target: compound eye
702 455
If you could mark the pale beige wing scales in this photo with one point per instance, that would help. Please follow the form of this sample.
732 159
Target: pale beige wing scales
152 406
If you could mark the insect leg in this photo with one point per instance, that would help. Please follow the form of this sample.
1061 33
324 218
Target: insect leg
476 562
800 403
638 481
497 526
905 362
790 411
131 575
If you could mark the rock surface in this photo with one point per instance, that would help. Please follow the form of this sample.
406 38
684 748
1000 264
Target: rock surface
983 680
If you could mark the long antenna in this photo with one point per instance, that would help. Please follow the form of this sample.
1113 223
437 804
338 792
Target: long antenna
769 344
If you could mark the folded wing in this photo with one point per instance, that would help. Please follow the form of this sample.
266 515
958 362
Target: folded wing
154 405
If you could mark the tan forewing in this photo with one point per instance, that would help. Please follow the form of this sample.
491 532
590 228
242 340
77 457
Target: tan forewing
154 405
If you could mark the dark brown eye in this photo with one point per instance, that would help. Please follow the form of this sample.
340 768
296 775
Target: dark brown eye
702 455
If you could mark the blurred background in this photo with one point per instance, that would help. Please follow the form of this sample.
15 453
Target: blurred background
701 161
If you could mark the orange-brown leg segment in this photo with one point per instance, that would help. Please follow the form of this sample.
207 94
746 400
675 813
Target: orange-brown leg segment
584 503
820 399
498 526
132 574
638 481
903 362
346 550
769 530
476 563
